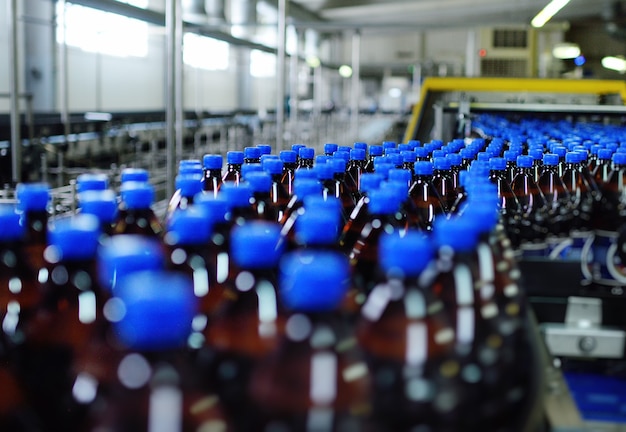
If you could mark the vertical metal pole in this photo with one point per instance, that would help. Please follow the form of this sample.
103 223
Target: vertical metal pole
293 92
178 79
280 74
355 87
64 88
170 99
16 141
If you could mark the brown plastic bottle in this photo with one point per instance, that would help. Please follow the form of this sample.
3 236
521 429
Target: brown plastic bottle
316 379
33 200
137 216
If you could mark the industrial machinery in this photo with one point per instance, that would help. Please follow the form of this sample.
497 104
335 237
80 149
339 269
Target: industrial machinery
580 317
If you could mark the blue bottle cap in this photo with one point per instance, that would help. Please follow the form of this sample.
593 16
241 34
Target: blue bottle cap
572 157
344 155
595 148
306 173
357 154
456 233
234 157
389 144
497 164
260 182
421 152
256 245
404 256
330 148
404 147
189 162
321 159
344 149
213 161
382 202
360 145
318 225
396 159
10 227
619 158
391 150
376 150
313 281
438 154
91 181
195 169
315 202
384 168
303 187
455 159
399 190
249 168
483 156
191 226
273 166
524 161
73 238
306 153
101 204
605 154
510 155
124 254
189 184
32 196
288 156
467 153
251 153
265 157
236 195
370 182
158 307
134 174
324 171
583 155
441 163
297 147
137 195
338 165
483 217
408 156
559 150
415 143
265 149
423 168
400 175
550 159
214 208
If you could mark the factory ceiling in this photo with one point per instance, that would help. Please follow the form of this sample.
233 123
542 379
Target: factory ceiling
432 14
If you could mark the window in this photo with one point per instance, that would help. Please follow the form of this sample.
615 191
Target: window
102 32
262 64
204 52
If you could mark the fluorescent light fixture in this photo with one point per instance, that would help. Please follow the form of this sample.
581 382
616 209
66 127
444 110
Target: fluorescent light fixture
98 116
313 61
345 71
395 92
566 50
548 12
614 63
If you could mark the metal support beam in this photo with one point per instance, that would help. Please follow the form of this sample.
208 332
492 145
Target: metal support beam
172 17
16 141
64 86
355 87
294 84
280 74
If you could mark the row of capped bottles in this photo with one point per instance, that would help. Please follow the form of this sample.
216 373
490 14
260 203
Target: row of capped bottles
371 299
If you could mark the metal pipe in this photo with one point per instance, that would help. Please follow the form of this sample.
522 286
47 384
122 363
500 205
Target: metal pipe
355 89
64 82
16 142
170 99
280 74
293 92
178 79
